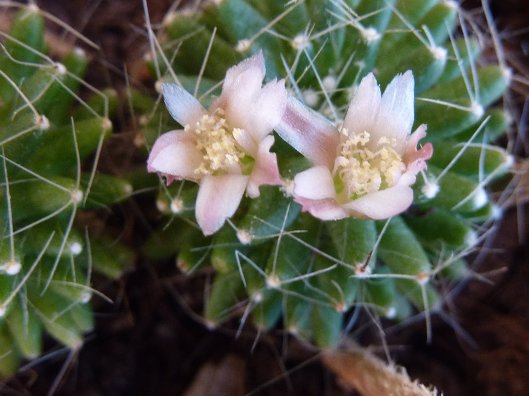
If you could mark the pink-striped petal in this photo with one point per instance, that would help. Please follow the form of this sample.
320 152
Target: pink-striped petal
314 183
265 170
381 204
182 106
309 133
174 155
218 199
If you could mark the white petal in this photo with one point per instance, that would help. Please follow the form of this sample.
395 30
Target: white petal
364 106
382 204
241 87
182 106
395 116
265 170
247 104
249 70
314 183
268 109
161 143
175 155
246 141
218 199
309 133
324 209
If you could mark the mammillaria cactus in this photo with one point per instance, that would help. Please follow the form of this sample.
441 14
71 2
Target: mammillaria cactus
47 256
274 261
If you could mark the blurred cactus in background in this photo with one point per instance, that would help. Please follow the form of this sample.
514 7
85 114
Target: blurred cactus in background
275 263
47 132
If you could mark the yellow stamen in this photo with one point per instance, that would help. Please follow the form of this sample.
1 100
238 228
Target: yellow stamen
359 169
215 140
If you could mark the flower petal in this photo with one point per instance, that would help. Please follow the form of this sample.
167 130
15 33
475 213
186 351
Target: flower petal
247 104
265 170
323 209
381 204
218 199
416 159
309 133
245 140
241 87
251 70
364 106
314 183
268 108
395 116
182 106
174 154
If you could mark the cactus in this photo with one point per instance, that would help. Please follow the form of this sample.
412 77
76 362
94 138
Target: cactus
273 261
46 255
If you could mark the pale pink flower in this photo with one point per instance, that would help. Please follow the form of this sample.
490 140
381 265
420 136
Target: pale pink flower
227 148
366 167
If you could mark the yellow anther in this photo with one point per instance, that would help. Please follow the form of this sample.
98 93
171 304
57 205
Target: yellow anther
215 140
361 169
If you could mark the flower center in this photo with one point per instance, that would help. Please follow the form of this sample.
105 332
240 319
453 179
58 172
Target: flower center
215 140
361 168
